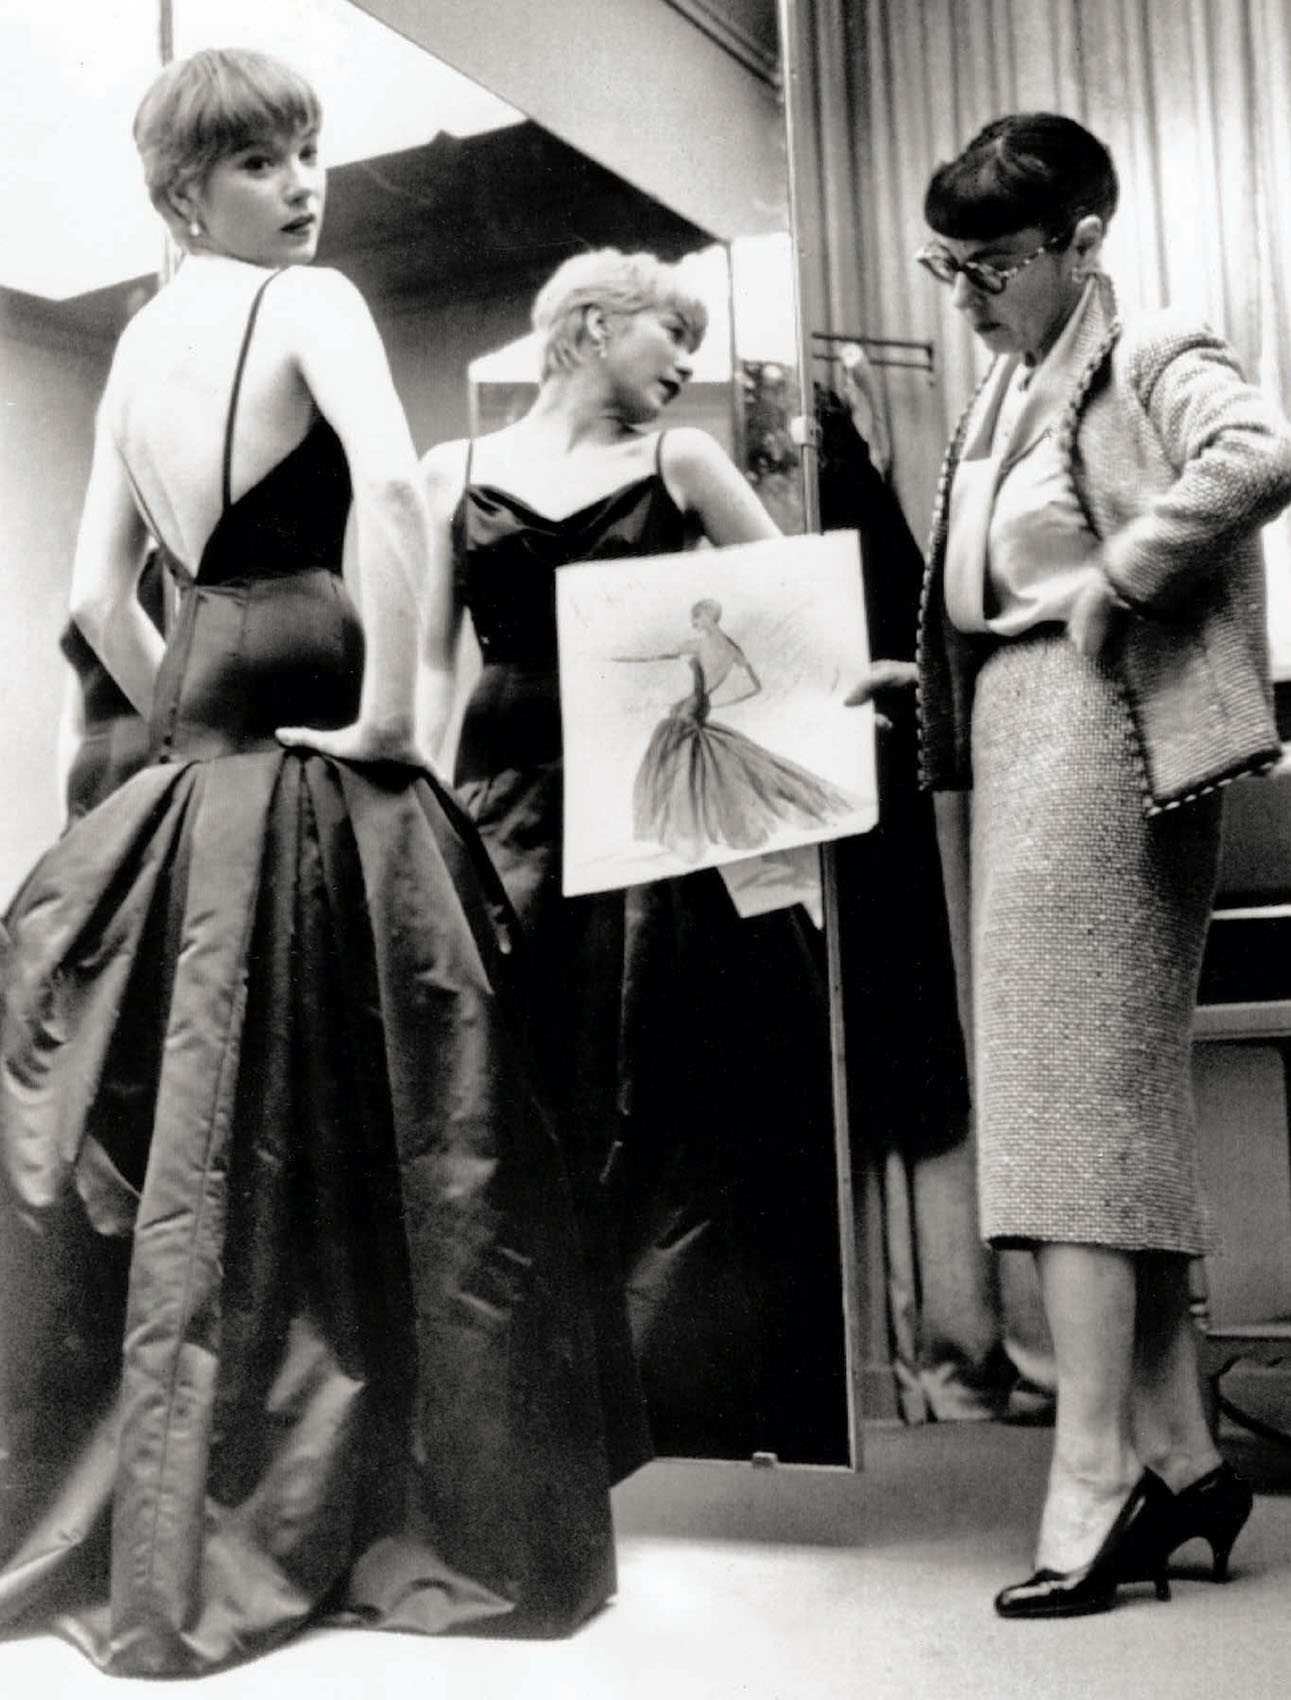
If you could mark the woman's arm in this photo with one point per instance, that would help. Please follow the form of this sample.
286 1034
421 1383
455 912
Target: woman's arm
742 661
443 474
343 363
705 482
1232 446
730 512
110 551
71 733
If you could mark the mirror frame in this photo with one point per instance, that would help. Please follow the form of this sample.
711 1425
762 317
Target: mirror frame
451 33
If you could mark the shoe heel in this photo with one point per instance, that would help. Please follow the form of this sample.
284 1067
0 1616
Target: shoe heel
1215 1510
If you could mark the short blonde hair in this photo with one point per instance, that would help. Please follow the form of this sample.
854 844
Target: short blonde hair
208 106
616 283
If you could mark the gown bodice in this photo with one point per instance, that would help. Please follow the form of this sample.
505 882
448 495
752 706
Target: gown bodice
290 521
266 635
505 556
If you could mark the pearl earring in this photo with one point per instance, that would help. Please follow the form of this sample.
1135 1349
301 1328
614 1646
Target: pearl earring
194 227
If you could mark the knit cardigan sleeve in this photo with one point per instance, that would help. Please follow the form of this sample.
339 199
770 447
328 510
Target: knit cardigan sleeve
1231 450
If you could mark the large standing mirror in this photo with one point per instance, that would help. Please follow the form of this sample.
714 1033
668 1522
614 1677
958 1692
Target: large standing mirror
472 149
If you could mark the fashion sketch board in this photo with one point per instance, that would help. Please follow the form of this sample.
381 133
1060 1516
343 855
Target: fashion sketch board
702 696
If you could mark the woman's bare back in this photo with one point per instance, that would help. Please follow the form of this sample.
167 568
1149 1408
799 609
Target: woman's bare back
172 380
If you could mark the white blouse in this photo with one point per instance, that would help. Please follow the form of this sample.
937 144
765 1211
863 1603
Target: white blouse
1018 548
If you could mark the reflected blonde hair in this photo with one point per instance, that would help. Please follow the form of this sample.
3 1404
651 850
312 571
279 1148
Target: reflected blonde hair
210 105
617 283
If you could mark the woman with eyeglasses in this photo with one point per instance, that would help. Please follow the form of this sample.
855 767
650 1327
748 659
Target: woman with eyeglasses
1094 666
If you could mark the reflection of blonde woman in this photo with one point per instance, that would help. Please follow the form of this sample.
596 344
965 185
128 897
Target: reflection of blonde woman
701 783
667 1025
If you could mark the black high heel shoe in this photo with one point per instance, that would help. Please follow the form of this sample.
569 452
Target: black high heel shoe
1134 1549
1213 1509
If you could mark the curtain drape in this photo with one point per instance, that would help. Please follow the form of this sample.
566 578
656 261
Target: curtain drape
1192 97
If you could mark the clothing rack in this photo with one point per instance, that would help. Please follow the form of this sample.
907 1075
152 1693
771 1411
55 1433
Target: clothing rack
879 350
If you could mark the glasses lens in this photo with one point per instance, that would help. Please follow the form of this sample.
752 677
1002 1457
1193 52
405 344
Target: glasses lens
985 278
939 263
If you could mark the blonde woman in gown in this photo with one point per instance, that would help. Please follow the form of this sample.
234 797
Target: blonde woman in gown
291 1322
685 1047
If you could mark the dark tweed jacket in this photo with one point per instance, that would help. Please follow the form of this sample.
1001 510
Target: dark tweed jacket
1177 463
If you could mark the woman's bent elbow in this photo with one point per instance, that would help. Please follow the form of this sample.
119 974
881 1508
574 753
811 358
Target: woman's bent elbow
90 613
396 496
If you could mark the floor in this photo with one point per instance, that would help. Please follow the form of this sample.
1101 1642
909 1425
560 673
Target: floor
748 1583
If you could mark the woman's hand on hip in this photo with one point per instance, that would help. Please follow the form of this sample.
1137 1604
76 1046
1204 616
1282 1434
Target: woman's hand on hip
362 741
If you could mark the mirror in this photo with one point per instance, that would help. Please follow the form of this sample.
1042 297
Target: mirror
465 165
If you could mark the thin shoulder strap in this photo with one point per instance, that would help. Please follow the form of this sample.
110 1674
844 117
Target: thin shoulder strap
237 386
658 453
470 456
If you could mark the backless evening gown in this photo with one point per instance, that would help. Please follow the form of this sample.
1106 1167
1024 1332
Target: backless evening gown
291 1325
686 1049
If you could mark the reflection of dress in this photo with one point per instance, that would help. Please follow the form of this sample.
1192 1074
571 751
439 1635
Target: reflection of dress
686 1049
289 1320
702 784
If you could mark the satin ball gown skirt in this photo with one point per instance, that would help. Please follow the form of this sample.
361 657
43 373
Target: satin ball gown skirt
291 1324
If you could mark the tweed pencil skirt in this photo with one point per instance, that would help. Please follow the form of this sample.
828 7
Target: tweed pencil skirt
1088 924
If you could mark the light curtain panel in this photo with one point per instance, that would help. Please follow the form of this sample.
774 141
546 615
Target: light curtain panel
1192 97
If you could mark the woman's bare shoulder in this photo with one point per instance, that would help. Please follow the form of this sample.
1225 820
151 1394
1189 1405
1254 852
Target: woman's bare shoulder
135 353
689 447
316 301
317 284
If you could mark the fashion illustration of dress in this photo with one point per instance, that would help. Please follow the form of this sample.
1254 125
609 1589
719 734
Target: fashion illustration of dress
686 1049
290 1318
701 784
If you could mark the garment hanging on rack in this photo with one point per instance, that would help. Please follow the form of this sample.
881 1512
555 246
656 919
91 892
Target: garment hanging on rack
902 985
907 1071
862 392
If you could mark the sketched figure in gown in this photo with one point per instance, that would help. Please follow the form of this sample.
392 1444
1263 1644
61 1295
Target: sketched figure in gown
701 784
